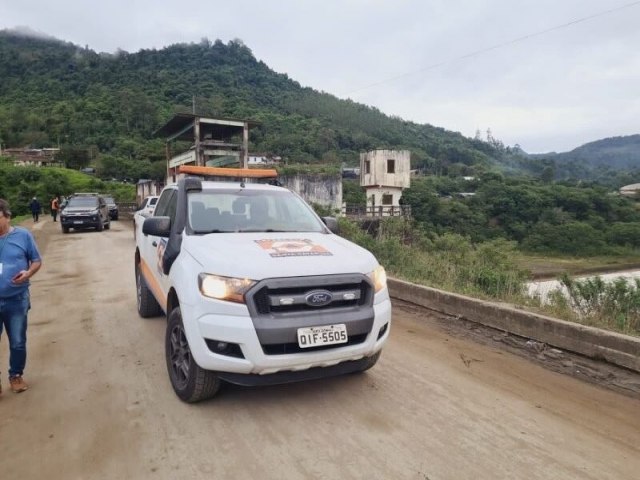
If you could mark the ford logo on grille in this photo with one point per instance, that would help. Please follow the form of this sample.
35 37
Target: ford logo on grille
318 298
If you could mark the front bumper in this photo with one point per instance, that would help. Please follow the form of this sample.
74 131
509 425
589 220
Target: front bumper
238 328
278 378
80 222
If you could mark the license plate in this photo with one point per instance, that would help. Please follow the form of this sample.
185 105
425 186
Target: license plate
325 335
77 222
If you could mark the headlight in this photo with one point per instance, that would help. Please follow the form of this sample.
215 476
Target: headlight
224 288
379 278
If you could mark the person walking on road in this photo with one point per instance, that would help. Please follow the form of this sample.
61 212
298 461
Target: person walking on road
19 261
35 208
54 208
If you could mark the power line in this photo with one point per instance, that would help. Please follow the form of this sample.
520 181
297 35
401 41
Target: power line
497 46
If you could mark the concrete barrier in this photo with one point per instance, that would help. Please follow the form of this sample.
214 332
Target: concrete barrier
616 348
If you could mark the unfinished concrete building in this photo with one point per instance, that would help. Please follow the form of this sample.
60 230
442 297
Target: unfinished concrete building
384 174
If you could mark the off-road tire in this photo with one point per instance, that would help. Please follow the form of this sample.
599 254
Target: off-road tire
147 304
100 226
190 382
65 229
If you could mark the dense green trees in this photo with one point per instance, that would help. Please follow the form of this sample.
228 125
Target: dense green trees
57 94
19 184
541 217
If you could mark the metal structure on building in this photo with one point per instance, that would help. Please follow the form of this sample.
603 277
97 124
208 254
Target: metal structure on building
205 142
384 174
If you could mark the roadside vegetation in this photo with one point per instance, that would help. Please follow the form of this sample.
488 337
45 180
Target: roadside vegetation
614 305
490 270
19 185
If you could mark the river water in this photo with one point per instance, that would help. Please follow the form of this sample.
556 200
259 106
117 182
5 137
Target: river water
543 288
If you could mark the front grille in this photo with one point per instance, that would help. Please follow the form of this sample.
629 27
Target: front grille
270 300
283 348
279 307
81 217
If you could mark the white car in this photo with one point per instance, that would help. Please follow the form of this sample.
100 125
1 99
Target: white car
257 289
146 209
148 205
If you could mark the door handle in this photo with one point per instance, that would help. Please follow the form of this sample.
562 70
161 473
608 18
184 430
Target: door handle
154 243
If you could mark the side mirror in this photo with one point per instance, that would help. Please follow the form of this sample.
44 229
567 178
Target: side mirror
157 226
331 223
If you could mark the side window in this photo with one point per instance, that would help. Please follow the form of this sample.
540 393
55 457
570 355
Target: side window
163 203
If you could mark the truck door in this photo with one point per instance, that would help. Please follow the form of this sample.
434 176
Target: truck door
152 247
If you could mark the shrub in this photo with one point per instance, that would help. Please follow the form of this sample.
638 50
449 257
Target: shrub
613 304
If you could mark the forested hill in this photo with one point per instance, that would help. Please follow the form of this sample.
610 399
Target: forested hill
616 152
52 92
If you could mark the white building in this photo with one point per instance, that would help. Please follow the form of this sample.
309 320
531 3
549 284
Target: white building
384 174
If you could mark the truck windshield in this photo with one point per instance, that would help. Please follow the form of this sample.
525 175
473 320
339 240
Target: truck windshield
246 210
83 202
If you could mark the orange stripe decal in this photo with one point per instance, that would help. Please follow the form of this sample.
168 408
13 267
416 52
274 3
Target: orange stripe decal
153 284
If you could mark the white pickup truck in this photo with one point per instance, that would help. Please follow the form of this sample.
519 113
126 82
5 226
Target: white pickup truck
257 289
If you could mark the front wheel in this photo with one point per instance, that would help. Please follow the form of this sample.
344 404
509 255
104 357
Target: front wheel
190 382
147 304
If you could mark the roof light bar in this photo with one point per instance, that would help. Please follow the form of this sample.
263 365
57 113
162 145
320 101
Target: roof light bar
228 172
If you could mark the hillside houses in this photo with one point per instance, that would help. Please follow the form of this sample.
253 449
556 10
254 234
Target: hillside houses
36 157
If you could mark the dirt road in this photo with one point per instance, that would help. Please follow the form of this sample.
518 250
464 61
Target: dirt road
435 407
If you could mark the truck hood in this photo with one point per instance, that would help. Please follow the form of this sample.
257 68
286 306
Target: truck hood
283 254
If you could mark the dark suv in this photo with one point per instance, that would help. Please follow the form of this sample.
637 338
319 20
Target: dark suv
113 207
85 211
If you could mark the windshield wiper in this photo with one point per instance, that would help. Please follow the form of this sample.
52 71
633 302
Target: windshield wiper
253 230
205 232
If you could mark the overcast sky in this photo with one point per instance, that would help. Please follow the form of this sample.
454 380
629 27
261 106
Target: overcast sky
416 59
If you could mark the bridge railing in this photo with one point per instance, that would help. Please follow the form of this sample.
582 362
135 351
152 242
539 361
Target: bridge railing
379 211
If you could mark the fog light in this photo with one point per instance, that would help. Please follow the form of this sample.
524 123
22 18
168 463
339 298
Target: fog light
224 348
383 330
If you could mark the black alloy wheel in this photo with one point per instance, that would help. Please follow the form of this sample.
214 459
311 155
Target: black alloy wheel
179 356
190 382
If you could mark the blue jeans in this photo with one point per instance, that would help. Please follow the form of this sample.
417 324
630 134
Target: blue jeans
13 316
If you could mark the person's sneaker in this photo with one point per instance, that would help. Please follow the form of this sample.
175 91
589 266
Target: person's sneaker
18 384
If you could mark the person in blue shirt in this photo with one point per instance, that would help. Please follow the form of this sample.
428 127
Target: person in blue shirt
19 261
